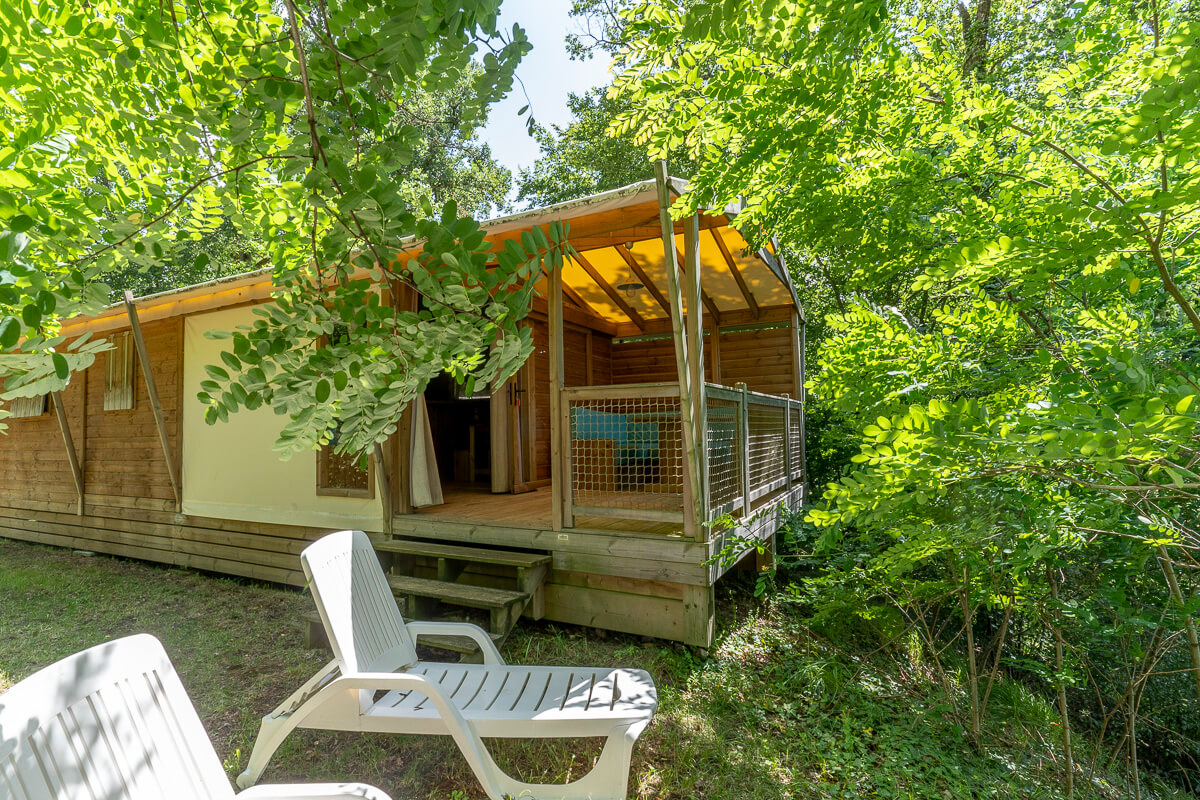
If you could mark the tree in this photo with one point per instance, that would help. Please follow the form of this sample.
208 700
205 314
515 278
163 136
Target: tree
450 164
1006 224
584 157
286 121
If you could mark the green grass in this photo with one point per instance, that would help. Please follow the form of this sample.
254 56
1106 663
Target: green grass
772 711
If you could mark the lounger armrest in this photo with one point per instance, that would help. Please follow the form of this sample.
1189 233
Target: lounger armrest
313 791
491 655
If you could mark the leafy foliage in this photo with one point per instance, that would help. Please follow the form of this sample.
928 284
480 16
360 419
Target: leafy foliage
292 124
1000 211
582 158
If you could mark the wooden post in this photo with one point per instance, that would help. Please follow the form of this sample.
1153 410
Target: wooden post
691 456
560 472
152 391
76 472
385 488
744 444
699 615
694 323
714 349
799 327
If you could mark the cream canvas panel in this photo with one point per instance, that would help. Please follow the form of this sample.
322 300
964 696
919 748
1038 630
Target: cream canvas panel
230 470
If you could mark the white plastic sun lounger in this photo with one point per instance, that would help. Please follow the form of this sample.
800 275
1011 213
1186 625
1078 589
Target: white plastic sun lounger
114 723
374 651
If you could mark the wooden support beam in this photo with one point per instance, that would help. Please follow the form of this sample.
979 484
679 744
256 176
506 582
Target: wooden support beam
385 487
714 347
708 301
152 390
76 472
578 300
560 474
694 328
659 297
692 471
747 295
612 293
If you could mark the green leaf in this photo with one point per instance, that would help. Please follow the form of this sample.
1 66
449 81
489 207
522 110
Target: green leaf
10 332
21 223
322 392
61 368
32 316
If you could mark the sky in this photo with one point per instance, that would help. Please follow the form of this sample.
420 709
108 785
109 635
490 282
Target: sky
548 76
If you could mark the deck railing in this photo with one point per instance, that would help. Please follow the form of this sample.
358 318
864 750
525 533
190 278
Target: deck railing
625 457
754 449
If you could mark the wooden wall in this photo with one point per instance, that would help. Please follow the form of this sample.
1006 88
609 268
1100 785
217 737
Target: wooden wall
762 359
759 357
129 507
33 457
578 371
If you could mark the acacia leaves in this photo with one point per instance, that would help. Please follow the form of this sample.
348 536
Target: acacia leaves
362 360
130 129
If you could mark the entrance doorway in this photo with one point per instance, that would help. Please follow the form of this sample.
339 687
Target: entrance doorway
461 428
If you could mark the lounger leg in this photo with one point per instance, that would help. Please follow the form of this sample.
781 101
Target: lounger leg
608 780
271 733
279 723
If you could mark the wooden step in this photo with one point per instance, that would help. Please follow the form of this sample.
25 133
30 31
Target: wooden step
483 555
504 607
459 594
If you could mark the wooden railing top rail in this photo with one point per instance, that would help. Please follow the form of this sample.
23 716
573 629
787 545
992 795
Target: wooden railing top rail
721 392
621 390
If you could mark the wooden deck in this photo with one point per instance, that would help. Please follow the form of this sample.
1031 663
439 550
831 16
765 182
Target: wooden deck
527 510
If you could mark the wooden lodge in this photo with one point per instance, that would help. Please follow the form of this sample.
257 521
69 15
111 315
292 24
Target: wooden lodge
583 490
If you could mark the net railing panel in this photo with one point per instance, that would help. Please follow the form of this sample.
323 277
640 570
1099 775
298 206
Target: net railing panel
767 448
724 457
796 440
626 454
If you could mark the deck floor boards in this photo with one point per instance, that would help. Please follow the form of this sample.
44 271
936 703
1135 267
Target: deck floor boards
526 510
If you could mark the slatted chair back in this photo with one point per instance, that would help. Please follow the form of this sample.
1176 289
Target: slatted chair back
109 723
356 604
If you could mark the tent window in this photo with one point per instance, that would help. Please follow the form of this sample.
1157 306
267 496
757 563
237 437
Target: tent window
341 475
26 407
118 374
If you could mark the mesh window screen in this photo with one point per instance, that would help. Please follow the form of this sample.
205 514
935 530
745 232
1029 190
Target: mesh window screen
795 441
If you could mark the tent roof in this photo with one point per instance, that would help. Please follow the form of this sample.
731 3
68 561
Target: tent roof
618 278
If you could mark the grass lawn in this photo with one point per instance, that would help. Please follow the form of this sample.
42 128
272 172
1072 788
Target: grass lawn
771 712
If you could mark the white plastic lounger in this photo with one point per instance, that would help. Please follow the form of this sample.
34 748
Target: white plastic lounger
114 723
374 650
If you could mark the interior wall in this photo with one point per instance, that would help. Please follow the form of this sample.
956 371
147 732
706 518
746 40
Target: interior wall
762 359
576 373
230 470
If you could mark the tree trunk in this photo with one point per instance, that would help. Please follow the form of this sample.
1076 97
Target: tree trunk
1068 755
972 667
1189 626
975 38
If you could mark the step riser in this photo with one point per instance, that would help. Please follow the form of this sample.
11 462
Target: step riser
451 564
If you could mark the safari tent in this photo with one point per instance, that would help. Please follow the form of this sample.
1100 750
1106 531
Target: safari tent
660 415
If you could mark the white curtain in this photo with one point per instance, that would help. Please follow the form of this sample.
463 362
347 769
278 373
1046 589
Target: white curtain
426 488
